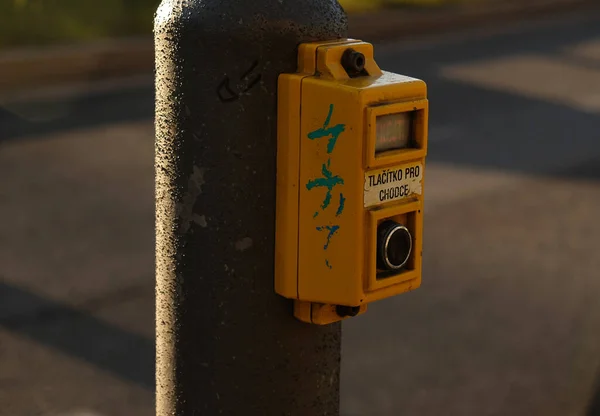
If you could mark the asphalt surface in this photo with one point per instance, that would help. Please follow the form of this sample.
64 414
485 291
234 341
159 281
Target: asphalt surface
507 321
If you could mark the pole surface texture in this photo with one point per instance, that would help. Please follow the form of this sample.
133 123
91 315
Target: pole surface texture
226 343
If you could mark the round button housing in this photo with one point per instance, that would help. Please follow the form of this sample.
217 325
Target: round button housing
394 246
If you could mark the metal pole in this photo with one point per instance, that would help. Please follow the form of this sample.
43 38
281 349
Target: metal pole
226 343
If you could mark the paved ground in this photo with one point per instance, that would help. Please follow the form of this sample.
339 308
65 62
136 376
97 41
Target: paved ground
506 323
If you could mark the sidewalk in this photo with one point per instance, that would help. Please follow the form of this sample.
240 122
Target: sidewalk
120 58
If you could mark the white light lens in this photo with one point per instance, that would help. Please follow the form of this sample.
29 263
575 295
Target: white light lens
392 132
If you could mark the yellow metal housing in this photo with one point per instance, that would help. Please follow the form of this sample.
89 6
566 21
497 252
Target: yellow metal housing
334 190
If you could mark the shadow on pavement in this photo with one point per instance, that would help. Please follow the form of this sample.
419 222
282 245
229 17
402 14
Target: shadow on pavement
18 120
502 131
78 334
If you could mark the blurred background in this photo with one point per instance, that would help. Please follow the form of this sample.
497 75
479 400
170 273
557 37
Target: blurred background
507 321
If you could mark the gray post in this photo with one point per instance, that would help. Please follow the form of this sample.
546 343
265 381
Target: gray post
226 343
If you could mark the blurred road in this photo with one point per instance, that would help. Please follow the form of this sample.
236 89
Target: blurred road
507 321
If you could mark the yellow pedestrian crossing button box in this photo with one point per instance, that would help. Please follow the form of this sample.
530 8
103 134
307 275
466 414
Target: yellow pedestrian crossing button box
352 141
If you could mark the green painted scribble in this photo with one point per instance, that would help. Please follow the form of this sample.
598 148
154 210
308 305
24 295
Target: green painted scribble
328 181
332 229
341 206
332 132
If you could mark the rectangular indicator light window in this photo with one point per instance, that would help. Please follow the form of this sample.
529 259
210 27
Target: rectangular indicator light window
393 132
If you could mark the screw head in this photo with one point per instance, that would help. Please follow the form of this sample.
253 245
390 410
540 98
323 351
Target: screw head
353 62
345 311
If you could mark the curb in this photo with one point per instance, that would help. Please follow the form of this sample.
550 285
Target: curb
120 58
